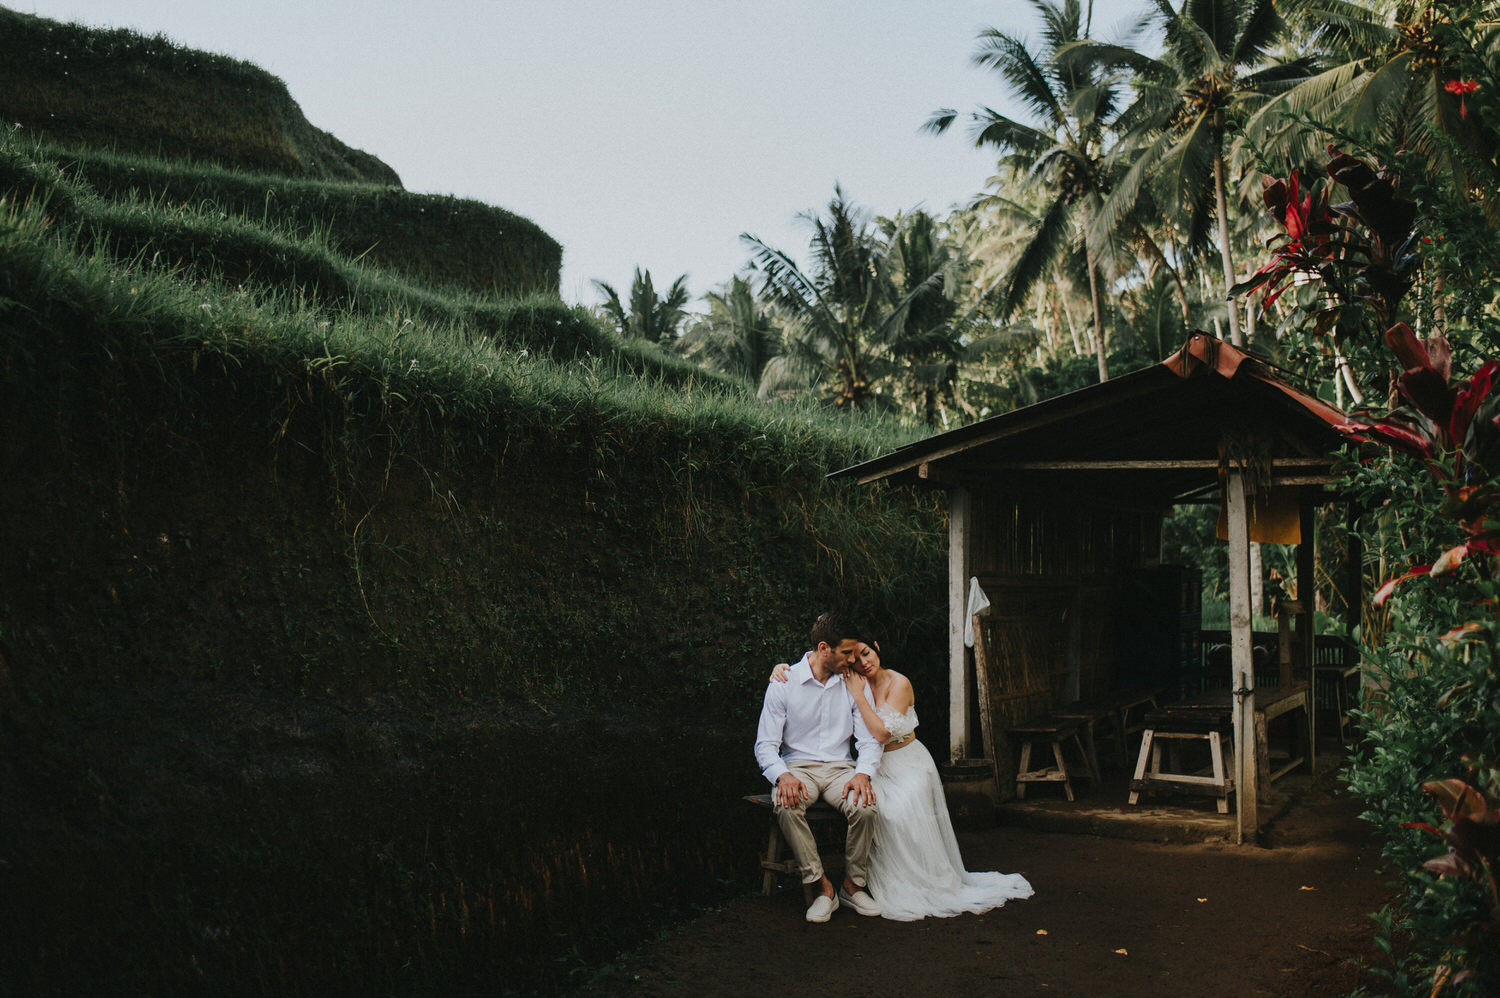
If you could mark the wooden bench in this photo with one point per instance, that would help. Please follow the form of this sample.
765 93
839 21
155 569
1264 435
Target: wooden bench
773 866
1056 733
1117 711
1166 727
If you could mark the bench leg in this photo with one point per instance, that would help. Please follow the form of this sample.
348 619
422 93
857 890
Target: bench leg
1140 762
1262 754
773 855
1216 751
1023 769
1090 752
1062 767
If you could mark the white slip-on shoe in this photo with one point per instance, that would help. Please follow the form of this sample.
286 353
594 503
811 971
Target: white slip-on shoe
860 901
823 908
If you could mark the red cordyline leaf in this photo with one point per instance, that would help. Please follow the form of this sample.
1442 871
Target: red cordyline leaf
1440 353
1470 398
1402 439
1296 209
1457 798
1434 353
1461 632
1406 346
1385 591
1450 559
1428 390
1449 864
1306 220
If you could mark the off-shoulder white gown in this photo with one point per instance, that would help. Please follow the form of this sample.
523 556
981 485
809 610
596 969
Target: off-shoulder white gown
915 869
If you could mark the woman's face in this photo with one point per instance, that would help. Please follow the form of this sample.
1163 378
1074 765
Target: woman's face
867 660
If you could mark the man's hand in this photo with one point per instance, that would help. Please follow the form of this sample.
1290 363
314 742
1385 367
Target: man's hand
789 790
859 788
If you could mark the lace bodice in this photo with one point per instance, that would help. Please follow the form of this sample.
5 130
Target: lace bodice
897 724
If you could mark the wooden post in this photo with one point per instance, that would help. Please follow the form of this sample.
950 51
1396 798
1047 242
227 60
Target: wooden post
960 509
1307 595
1247 789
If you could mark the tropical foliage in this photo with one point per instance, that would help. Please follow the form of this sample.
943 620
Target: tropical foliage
1315 180
1428 473
649 317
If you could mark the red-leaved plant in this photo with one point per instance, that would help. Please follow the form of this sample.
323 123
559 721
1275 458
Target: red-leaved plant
1471 827
1453 428
1362 251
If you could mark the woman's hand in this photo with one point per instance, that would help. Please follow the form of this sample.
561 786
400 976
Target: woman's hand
779 674
854 682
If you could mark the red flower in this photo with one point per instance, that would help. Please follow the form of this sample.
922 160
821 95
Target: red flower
1461 88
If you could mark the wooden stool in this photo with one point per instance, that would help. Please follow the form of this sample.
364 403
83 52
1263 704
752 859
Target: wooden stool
1172 726
1055 733
1333 682
819 815
1125 704
1087 715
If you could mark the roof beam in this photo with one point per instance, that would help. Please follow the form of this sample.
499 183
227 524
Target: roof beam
1168 464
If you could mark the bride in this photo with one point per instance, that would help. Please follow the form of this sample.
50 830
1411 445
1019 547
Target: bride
915 869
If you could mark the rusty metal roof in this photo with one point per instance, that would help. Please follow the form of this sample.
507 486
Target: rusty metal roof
1152 435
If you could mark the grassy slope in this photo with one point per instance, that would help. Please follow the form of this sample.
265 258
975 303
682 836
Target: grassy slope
119 90
324 594
147 117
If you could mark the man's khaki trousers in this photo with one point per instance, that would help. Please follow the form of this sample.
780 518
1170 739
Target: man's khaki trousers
826 781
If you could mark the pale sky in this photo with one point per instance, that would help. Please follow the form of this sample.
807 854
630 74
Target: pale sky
644 133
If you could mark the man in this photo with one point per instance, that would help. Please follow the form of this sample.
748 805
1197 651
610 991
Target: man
802 745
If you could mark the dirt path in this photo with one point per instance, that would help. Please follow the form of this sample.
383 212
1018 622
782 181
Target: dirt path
1110 916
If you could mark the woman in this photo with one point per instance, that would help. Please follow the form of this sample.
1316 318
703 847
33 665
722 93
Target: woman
915 868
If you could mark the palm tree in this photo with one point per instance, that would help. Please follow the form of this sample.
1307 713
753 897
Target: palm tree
1216 68
736 336
843 319
1075 103
1388 74
829 314
928 337
649 317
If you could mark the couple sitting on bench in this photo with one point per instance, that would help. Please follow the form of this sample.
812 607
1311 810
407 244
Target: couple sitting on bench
901 848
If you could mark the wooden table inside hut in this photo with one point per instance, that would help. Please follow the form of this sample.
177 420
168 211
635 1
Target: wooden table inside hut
1215 708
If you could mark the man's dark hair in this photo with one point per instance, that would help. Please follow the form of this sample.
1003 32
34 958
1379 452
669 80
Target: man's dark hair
833 628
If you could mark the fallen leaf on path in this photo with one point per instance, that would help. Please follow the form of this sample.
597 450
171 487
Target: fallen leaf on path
1041 932
1201 900
1307 888
1122 952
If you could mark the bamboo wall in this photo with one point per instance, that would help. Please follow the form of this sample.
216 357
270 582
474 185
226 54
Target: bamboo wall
1052 571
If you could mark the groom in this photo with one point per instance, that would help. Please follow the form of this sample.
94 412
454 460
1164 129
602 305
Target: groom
802 745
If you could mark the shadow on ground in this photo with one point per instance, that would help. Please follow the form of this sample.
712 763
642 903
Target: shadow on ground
1150 901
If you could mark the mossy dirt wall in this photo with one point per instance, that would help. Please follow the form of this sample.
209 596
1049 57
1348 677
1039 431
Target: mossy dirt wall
308 690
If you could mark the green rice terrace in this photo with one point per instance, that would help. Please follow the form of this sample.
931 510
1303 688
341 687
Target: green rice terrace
350 579
330 570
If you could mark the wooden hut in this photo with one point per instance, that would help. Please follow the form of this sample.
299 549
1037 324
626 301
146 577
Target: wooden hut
1055 510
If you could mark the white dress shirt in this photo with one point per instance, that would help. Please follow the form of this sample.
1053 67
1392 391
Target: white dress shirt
803 720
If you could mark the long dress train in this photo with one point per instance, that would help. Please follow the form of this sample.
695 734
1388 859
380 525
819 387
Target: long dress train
915 869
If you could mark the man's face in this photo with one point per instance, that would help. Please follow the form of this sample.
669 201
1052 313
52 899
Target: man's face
843 657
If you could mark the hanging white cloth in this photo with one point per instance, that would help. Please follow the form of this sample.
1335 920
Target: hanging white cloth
978 603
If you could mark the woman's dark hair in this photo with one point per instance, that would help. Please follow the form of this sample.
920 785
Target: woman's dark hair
868 636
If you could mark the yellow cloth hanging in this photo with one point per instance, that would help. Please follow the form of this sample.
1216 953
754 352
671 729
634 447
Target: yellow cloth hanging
1275 517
